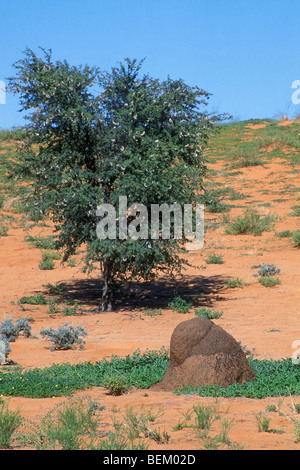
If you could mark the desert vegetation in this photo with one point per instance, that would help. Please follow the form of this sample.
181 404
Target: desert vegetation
244 279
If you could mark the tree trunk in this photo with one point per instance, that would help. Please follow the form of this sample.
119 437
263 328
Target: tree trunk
107 292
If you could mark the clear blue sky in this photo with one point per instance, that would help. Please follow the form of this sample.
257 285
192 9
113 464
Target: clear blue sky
245 52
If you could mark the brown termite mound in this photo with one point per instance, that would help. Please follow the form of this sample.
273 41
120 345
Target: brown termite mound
203 353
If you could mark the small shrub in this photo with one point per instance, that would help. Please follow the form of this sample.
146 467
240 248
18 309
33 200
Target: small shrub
204 417
152 312
245 157
217 207
51 254
57 288
38 299
262 422
65 337
296 210
46 264
237 282
296 238
68 426
47 260
297 408
180 305
53 306
268 270
3 231
44 243
215 259
12 331
285 234
212 201
9 423
252 222
207 313
115 383
269 281
68 311
72 262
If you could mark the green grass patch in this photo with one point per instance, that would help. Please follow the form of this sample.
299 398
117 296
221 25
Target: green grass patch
140 370
296 238
274 378
269 281
252 222
296 209
44 243
215 259
246 157
3 231
284 234
180 305
152 312
208 313
38 299
236 282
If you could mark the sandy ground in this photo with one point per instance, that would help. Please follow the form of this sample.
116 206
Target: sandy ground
265 320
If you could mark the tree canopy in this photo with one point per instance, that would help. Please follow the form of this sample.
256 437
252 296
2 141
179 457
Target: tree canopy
95 136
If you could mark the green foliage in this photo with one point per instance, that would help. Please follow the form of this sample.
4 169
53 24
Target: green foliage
273 378
252 222
7 135
46 263
53 306
115 383
285 234
246 157
140 370
38 299
44 243
212 200
269 281
138 137
68 426
72 263
296 238
50 255
237 282
152 312
57 288
208 313
3 231
65 337
10 421
296 210
180 305
262 421
215 259
68 310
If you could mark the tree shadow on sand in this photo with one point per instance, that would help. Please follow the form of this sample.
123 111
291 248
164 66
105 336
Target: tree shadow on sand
200 290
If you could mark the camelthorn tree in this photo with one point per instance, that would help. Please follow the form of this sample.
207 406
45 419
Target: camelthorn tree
94 136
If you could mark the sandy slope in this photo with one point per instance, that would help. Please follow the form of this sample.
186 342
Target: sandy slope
264 320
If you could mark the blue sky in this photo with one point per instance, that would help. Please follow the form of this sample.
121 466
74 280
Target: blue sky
245 52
